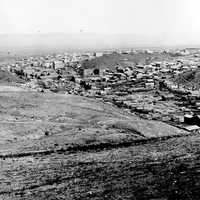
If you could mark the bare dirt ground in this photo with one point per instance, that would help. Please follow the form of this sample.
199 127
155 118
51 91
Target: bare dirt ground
56 146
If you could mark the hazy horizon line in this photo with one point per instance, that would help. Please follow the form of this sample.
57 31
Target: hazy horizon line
86 40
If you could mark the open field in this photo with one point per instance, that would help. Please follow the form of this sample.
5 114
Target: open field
56 146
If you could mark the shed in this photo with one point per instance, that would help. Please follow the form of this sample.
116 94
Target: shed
192 128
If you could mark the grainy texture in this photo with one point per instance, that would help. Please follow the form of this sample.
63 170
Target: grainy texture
66 147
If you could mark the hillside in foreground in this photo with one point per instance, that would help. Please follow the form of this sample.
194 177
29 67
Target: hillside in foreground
56 146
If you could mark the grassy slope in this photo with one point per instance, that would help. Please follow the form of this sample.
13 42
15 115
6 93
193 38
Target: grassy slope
189 78
7 77
70 119
111 60
70 147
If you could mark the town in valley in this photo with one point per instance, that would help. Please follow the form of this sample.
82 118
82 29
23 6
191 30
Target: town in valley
153 84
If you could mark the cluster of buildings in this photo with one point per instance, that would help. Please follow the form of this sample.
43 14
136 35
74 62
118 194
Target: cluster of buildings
52 72
148 90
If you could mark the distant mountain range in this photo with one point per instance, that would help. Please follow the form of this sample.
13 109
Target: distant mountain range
77 41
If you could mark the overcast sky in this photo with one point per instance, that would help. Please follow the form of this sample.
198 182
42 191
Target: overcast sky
175 21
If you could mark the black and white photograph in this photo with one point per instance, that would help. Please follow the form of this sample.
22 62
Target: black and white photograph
99 99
